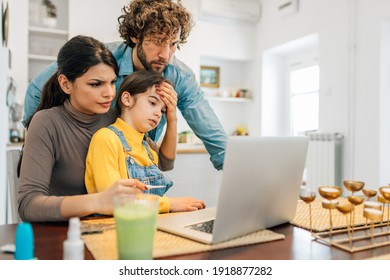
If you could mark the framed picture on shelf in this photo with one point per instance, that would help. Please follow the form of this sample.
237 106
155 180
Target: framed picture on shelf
209 76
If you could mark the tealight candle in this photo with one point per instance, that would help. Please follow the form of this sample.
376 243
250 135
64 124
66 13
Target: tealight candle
372 205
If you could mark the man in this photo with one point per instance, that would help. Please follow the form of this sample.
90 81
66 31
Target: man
152 31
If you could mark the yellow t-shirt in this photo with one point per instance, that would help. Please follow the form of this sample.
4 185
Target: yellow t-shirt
106 159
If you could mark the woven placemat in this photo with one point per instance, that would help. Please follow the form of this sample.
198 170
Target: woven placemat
103 246
383 257
320 216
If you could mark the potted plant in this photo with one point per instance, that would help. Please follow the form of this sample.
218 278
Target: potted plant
49 14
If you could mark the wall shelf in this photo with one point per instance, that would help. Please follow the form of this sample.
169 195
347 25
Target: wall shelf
48 58
47 31
229 99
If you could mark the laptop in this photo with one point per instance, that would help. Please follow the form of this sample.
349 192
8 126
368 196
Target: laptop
260 187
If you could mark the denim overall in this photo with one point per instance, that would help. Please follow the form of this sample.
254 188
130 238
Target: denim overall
150 175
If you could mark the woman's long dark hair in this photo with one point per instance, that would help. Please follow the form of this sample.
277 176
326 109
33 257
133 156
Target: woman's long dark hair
74 59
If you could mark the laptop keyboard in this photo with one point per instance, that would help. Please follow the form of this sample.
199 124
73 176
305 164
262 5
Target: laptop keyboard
206 226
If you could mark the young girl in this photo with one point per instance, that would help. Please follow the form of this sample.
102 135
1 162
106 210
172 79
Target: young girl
75 104
120 151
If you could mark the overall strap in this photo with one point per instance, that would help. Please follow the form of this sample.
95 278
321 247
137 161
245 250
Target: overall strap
126 146
147 149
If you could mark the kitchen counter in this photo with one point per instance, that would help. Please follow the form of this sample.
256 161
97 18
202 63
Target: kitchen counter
186 148
15 146
182 148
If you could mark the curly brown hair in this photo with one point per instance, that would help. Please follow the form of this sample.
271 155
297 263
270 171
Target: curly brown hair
154 17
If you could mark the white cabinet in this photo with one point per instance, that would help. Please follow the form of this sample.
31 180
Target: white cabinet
47 33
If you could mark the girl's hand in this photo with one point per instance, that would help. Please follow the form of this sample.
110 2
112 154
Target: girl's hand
169 97
185 204
122 186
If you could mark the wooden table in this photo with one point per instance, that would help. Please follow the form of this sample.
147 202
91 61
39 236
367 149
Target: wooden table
298 245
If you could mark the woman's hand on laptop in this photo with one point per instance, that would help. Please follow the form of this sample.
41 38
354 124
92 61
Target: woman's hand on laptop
184 204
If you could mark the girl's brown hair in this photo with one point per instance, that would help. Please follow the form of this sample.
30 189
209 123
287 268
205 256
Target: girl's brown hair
137 83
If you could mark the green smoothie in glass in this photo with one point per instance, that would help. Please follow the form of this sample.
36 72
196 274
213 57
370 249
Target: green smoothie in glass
135 226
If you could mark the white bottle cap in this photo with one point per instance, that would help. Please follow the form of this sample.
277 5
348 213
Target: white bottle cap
74 232
74 246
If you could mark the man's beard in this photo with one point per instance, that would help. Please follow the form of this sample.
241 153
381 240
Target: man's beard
148 66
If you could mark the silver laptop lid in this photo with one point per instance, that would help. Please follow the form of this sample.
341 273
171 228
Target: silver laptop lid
260 184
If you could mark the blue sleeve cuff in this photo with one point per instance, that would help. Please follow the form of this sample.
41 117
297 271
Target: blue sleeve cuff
217 160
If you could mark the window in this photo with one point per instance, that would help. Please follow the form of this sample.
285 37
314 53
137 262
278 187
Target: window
304 90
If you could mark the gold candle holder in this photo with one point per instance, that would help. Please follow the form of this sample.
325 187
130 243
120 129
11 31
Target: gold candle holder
345 209
355 200
369 193
330 194
373 215
308 197
382 200
353 186
372 205
385 192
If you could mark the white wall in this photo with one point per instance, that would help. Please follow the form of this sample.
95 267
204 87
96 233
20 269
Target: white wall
18 43
272 93
384 101
368 102
96 18
350 36
313 18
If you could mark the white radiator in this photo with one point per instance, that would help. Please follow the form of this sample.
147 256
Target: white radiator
324 160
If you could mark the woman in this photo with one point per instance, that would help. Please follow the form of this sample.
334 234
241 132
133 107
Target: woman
75 104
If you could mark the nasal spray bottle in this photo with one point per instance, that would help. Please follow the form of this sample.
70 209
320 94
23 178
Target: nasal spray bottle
74 246
24 242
